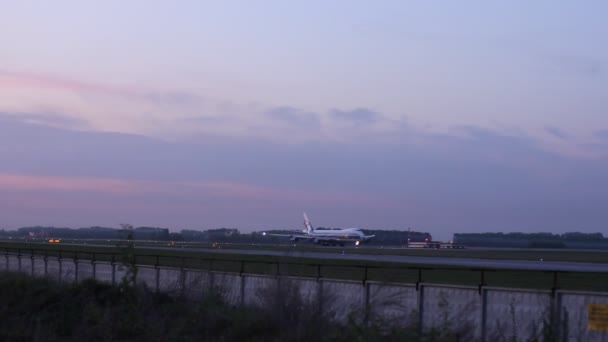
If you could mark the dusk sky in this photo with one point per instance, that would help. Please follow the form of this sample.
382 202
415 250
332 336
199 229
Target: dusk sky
462 116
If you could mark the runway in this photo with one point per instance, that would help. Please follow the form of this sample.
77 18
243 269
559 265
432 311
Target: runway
351 254
416 260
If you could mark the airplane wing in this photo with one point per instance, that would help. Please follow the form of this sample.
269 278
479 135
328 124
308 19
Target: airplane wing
283 235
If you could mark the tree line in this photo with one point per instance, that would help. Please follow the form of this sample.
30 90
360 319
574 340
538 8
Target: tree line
220 235
534 240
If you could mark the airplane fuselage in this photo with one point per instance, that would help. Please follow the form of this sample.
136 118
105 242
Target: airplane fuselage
347 234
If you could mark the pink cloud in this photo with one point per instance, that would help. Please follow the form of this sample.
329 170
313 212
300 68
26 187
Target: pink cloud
13 79
14 182
194 191
16 79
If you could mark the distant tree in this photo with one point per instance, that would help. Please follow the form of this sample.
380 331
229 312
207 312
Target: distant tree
176 237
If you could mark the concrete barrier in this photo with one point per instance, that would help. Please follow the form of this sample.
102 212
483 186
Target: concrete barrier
13 263
86 269
147 275
573 310
53 268
392 304
196 283
67 270
229 285
103 272
257 289
516 315
451 308
38 264
343 300
307 288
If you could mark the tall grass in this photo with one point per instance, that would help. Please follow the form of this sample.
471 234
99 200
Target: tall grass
41 309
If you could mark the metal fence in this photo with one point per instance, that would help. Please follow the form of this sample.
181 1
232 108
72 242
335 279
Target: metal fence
475 276
346 290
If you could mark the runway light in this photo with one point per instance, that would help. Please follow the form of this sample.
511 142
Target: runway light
357 243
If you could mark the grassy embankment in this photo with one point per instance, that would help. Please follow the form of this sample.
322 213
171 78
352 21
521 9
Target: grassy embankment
353 270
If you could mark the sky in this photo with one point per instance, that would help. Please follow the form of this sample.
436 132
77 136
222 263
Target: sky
466 116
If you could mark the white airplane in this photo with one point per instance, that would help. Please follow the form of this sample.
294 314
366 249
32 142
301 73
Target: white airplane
329 237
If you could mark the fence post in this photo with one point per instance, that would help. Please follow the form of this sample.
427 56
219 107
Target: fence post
113 265
482 281
555 286
157 271
211 274
7 260
556 304
60 261
19 259
484 313
242 282
320 299
76 266
483 293
94 267
366 296
182 275
32 260
46 263
420 309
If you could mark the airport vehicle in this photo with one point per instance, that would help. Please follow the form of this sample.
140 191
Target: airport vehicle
434 244
328 237
423 244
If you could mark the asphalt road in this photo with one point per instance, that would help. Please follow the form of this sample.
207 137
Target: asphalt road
350 254
465 262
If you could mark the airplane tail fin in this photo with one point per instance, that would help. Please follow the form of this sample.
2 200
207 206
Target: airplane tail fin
309 228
